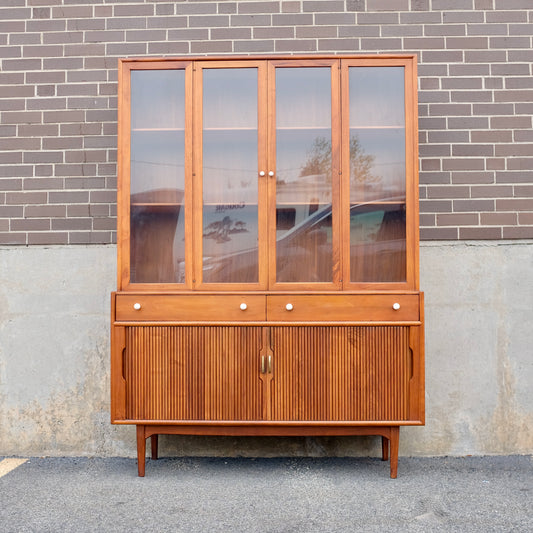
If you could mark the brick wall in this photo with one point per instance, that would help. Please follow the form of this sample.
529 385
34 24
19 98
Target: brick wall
58 74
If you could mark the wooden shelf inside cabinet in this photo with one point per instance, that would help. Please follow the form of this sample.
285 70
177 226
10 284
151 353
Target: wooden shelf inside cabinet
378 127
156 130
268 249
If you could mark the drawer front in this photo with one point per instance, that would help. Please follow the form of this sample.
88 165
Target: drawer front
345 308
189 308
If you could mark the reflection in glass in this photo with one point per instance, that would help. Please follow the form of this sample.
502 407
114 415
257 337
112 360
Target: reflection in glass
377 96
303 175
377 174
377 243
157 140
377 133
157 244
230 186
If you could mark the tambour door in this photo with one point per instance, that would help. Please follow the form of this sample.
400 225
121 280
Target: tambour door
341 373
193 373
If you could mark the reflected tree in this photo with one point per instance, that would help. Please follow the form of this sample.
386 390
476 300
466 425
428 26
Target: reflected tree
319 162
221 230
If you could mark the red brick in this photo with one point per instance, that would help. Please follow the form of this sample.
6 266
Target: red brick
525 218
520 232
13 238
470 206
458 219
448 191
523 191
446 233
480 233
30 224
514 204
48 238
471 178
90 237
496 190
273 7
498 219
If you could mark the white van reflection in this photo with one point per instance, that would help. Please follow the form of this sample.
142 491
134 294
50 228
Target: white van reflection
304 252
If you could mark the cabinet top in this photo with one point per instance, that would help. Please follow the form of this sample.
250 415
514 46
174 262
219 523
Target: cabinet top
311 57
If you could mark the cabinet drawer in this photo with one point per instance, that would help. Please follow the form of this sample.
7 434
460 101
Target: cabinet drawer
190 308
345 308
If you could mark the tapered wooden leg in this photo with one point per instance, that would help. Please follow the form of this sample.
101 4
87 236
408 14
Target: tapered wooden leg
141 450
154 442
394 445
384 448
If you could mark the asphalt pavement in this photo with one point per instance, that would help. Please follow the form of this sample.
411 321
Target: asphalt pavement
268 495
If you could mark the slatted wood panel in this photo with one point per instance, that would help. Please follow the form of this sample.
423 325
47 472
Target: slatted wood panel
341 373
193 373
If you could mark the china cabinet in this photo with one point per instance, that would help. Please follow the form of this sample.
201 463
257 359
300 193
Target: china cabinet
268 249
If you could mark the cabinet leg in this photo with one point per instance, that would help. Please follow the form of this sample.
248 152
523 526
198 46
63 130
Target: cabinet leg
154 442
141 450
394 445
384 448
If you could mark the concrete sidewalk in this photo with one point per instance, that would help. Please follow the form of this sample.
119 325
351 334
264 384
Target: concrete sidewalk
272 495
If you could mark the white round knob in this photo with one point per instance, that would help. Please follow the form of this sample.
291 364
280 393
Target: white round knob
243 306
262 173
271 173
136 306
396 306
289 307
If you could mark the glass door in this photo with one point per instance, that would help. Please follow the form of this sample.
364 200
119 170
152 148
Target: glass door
374 155
229 175
304 188
157 166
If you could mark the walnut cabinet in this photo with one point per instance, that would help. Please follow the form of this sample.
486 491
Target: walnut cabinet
268 249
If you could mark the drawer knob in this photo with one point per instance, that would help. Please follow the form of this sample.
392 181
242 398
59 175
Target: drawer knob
271 173
243 306
262 173
289 307
136 306
396 306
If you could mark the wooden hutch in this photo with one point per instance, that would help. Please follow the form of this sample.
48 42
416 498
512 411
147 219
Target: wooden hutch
268 248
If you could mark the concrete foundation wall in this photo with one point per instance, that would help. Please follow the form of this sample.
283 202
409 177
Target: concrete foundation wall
54 358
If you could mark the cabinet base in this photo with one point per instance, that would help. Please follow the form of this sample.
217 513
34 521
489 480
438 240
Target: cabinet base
390 437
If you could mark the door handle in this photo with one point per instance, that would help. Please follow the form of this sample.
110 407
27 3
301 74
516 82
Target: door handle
266 364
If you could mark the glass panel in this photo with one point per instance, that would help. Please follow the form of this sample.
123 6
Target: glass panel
377 174
157 176
304 251
230 184
377 133
377 243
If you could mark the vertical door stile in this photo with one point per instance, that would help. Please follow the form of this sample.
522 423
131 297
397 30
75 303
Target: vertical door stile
190 166
263 162
271 166
197 175
412 200
123 185
344 187
336 171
